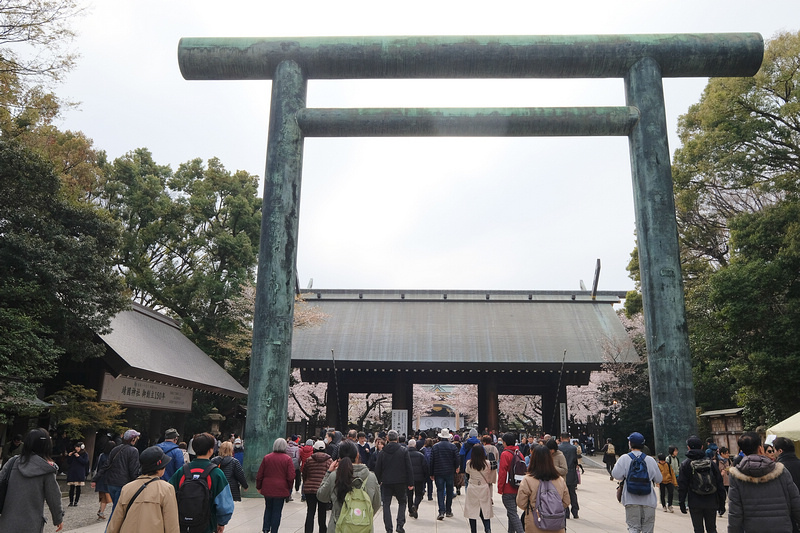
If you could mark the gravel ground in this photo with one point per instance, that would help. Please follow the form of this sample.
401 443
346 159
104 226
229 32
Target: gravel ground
86 511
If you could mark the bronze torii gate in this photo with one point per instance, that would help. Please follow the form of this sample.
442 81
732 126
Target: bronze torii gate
642 60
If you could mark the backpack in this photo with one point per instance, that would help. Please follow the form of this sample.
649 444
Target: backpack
548 515
638 479
194 500
517 469
294 453
492 460
702 481
356 513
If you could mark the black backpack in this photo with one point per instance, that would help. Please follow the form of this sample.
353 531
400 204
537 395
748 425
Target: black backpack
194 500
702 481
517 469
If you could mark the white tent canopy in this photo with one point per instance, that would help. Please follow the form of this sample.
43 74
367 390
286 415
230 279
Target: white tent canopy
789 428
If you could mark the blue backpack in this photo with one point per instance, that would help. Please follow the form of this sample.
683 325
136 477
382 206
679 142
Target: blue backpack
638 479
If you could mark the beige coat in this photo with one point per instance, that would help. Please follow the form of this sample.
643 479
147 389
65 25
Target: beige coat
561 463
526 495
155 509
479 492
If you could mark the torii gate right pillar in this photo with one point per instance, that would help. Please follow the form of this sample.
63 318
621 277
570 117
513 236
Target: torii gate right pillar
668 353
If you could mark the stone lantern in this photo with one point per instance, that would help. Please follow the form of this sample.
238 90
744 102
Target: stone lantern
215 418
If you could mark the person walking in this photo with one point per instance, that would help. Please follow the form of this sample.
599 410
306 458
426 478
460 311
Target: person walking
340 478
443 468
704 501
31 484
762 495
396 478
171 448
426 451
478 503
419 466
274 482
293 451
232 469
669 481
570 452
314 471
99 481
221 501
640 509
541 469
147 504
77 465
609 457
123 465
507 490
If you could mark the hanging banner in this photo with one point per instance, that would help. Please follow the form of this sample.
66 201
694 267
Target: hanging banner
562 411
132 392
400 421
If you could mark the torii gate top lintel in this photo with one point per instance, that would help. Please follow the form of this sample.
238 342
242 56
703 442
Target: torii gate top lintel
538 56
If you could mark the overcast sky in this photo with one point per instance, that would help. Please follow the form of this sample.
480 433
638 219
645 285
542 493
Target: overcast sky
423 213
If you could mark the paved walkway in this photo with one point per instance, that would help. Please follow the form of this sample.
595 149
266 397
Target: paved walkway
599 512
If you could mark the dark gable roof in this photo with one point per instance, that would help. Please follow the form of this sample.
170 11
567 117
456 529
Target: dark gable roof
513 329
146 344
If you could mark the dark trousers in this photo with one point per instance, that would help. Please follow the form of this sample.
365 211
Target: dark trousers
388 492
429 482
272 514
444 493
415 496
709 516
573 498
297 480
667 491
74 492
487 525
320 509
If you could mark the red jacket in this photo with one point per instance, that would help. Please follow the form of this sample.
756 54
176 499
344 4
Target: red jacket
305 453
503 487
275 475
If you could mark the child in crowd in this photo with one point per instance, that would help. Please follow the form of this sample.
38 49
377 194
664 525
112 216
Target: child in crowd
668 483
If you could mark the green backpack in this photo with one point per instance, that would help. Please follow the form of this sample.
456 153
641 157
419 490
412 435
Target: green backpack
356 513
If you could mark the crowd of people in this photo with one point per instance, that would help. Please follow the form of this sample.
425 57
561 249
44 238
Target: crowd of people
346 480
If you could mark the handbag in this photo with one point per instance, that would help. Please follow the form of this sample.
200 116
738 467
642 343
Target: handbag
4 480
620 486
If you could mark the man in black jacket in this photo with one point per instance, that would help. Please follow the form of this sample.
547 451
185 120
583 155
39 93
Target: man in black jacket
123 465
419 465
704 501
443 468
788 458
396 477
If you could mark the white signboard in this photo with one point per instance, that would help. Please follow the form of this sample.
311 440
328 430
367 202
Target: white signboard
430 422
132 392
400 421
562 409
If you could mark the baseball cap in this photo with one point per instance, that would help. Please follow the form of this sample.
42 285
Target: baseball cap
131 433
636 438
171 433
694 443
319 445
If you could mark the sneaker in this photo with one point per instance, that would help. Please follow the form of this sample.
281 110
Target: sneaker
400 529
101 516
440 517
449 515
670 509
664 509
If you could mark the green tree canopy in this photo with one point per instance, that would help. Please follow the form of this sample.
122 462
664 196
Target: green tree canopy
57 281
77 411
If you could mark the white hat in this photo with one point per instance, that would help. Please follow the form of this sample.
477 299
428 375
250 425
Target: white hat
319 445
445 434
237 441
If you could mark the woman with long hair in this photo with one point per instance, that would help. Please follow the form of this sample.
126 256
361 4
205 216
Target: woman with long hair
541 469
99 481
340 479
274 482
32 482
232 469
479 495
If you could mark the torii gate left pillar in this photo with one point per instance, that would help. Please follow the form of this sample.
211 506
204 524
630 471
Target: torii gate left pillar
642 60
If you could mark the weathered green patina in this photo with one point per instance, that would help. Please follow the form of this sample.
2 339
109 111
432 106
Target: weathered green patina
642 60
